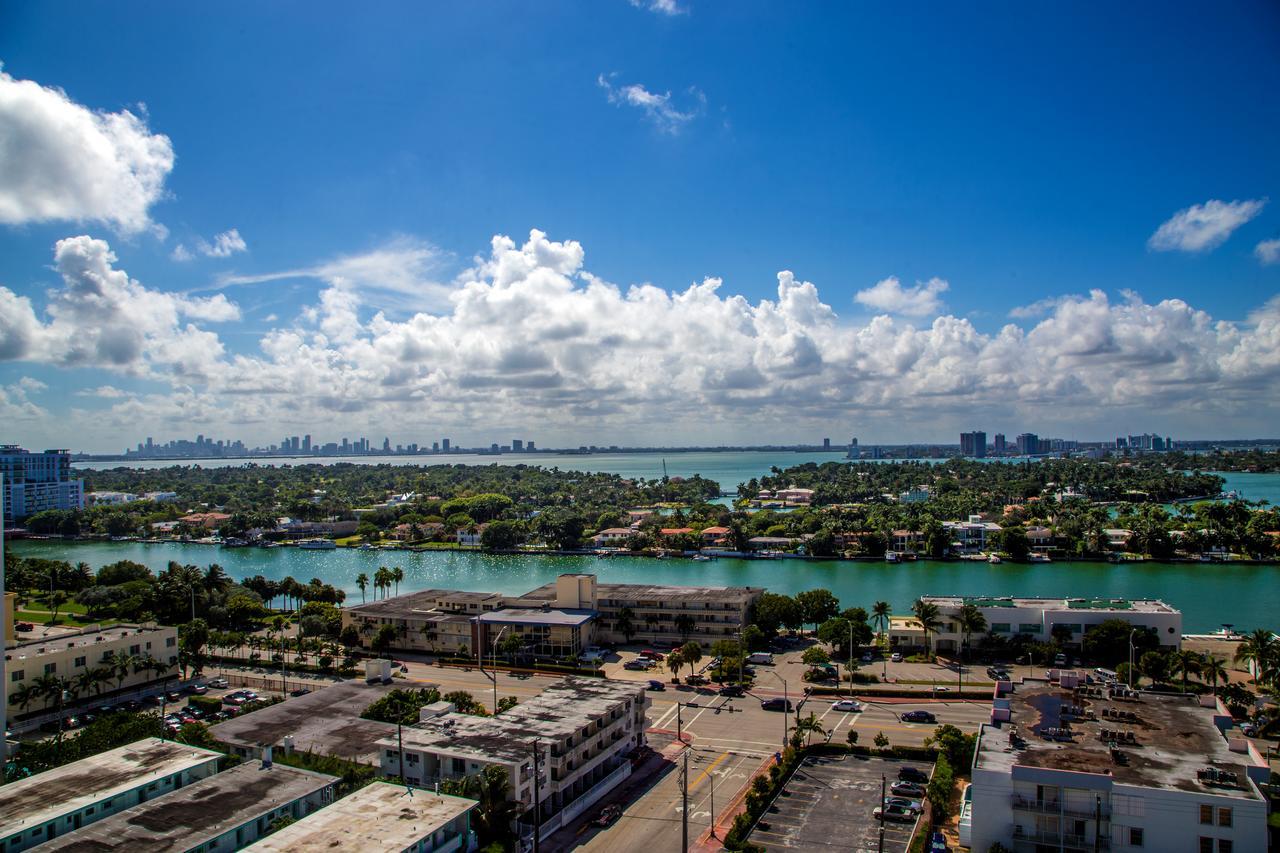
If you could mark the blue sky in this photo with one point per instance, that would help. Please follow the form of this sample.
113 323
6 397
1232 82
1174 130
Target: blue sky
1019 155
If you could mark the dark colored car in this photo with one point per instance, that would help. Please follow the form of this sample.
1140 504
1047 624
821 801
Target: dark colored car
635 665
912 774
301 691
607 815
655 684
775 704
919 717
731 690
894 813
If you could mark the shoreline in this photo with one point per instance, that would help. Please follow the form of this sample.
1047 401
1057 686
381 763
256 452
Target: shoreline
689 555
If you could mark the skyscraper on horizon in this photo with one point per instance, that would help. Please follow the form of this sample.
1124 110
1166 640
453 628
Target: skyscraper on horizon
973 444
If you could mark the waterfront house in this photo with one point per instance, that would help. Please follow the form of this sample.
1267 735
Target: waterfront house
612 536
715 535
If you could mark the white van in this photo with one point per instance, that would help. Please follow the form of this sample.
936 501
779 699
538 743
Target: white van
760 657
1106 675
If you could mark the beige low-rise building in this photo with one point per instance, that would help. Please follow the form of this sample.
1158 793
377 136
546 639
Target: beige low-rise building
69 654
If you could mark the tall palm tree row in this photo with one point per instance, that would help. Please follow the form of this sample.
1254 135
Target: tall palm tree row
1261 652
927 614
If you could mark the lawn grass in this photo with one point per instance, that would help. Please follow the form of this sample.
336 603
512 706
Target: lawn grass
43 617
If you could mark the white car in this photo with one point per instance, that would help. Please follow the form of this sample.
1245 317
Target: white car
896 657
850 705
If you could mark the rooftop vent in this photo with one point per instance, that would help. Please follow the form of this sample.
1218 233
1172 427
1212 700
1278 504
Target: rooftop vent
1218 778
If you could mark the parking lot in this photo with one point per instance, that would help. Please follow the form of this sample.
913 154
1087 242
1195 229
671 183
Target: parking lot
829 803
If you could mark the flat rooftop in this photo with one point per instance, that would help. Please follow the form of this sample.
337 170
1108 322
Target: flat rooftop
194 815
537 616
422 603
379 816
1135 605
559 711
1175 737
78 639
326 721
71 787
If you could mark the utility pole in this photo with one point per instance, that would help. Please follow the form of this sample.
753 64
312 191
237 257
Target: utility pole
684 803
537 807
711 777
882 784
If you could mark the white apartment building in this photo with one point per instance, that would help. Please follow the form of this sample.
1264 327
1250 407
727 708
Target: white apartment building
582 729
68 654
1038 617
47 805
34 482
972 535
1078 769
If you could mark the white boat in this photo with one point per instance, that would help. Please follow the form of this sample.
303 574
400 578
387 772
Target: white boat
891 557
994 558
701 558
1040 558
318 544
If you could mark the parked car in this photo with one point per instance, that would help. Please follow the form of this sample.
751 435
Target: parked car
636 665
651 654
849 705
695 680
868 657
893 813
760 658
896 657
775 704
731 690
912 774
198 689
938 843
219 683
300 691
904 803
655 684
918 717
907 789
173 696
607 815
996 673
1248 730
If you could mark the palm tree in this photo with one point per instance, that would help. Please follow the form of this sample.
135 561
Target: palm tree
808 726
971 621
362 581
121 665
1261 650
1213 669
881 612
926 613
626 624
24 696
216 579
49 687
1185 662
57 598
397 575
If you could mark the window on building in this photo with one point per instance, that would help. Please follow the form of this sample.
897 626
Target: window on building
135 650
1000 627
1206 845
17 675
148 646
50 668
1029 628
79 661
459 766
1225 845
1206 815
1224 817
170 642
1135 836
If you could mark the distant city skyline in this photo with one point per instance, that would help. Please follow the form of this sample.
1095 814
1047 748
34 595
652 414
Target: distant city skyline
738 224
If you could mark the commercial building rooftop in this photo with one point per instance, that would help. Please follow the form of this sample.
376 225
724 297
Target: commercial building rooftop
380 816
191 816
326 721
86 636
1139 605
71 787
652 592
421 603
537 616
1087 731
561 710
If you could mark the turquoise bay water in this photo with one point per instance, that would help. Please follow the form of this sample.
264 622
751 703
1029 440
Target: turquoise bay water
1208 594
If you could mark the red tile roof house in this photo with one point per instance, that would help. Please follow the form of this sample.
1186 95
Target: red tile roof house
207 520
715 535
676 531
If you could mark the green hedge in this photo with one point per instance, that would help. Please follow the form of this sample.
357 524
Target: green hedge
206 703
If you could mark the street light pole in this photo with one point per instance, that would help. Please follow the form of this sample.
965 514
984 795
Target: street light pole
786 707
1131 633
537 807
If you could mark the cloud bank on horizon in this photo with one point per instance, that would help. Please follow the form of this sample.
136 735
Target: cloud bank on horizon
531 336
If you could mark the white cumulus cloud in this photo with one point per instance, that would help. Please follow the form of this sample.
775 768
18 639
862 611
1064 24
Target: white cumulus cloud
64 161
662 7
224 245
890 296
658 108
1267 252
1202 227
100 317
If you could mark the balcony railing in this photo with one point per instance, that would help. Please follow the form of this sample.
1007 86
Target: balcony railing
1056 807
1066 840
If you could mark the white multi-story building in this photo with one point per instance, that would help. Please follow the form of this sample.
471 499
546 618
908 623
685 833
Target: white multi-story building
34 482
972 535
1078 769
581 728
1038 617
